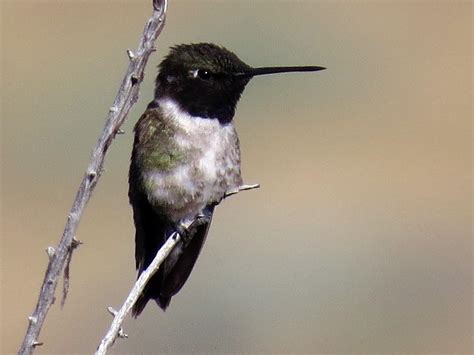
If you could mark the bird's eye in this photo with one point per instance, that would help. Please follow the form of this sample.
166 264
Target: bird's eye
204 74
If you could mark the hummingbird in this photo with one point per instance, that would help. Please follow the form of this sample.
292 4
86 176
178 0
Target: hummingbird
185 157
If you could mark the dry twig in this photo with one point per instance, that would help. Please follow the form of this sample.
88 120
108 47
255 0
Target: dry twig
125 99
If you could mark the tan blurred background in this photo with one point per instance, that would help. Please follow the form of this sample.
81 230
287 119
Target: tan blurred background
359 240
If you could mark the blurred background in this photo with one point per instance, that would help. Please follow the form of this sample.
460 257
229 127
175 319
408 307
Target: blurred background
359 240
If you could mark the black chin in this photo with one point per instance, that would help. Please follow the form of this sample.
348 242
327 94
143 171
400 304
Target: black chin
223 114
215 98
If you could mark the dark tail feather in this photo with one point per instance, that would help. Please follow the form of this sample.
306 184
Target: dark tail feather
175 278
152 290
151 233
163 302
172 274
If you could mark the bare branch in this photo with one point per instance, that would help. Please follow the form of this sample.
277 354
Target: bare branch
116 329
137 289
126 97
241 188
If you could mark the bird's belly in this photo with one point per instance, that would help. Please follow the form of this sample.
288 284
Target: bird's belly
211 167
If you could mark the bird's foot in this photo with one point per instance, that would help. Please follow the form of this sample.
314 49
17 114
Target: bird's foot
187 228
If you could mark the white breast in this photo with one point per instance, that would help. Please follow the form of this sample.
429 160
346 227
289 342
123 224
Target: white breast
215 167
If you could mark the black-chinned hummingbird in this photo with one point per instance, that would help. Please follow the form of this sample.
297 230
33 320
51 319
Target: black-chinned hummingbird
185 157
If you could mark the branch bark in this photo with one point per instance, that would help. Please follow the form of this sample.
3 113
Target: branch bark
116 331
126 97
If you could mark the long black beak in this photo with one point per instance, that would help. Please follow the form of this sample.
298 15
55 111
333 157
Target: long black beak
273 70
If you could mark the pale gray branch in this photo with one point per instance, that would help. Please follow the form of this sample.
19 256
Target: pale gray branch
241 188
125 99
116 326
116 329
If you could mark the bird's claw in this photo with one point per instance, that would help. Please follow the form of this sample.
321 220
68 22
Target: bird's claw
186 228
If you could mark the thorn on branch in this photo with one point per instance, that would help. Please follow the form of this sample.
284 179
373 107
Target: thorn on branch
131 55
121 334
32 319
134 78
240 188
120 131
66 276
51 252
37 343
75 243
91 175
113 109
